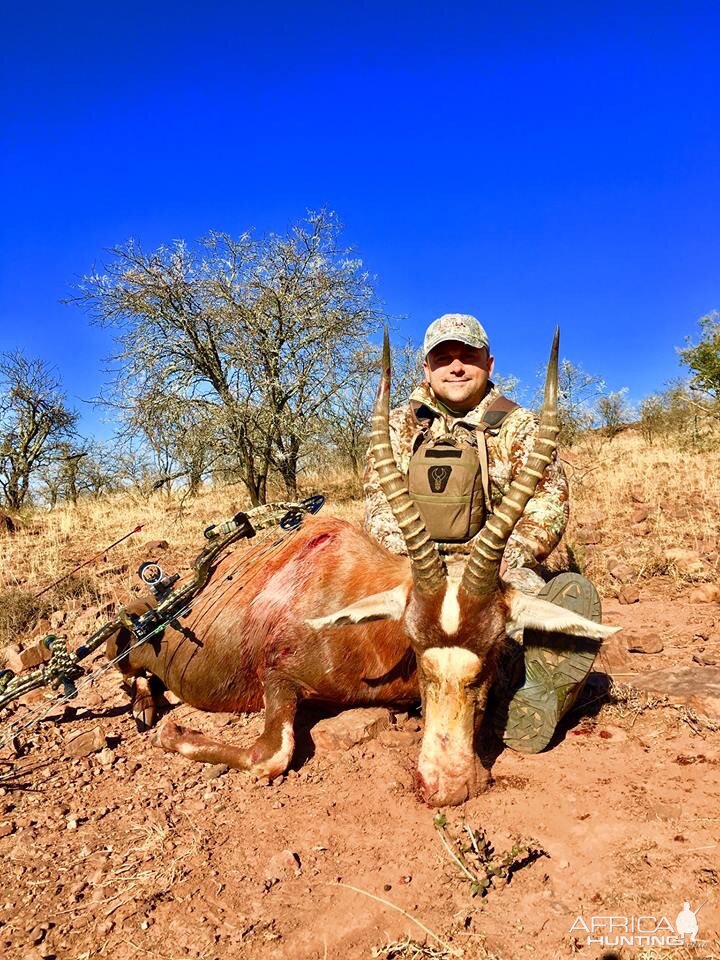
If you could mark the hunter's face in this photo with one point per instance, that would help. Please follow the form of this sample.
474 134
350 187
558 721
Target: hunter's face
458 374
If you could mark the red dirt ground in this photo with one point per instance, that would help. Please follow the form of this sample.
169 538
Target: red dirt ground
131 853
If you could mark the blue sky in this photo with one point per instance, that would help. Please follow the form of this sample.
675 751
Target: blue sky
529 163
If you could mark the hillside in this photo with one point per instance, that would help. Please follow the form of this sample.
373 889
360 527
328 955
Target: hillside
113 849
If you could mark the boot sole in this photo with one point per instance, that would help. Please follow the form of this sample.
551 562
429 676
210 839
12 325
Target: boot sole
554 672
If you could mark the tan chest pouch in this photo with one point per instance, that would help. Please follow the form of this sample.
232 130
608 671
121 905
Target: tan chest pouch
445 481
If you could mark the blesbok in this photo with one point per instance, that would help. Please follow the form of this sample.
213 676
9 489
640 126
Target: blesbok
329 614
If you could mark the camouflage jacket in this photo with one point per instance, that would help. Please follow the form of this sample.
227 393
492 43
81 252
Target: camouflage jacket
542 524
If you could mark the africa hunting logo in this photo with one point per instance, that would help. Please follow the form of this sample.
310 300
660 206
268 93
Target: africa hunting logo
644 931
438 478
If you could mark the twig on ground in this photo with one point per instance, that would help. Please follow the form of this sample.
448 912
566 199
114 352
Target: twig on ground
388 903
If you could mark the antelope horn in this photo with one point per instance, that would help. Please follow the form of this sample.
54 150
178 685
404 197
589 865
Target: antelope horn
483 568
427 568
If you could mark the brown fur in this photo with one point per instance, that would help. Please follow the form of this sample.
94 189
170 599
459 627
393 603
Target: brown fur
245 641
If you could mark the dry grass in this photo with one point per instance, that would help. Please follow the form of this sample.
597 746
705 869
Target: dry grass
48 544
682 490
701 951
607 477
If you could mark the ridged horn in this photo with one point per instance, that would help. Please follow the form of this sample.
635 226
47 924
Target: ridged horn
482 571
427 568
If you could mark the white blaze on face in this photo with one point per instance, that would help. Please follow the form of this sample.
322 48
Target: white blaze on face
447 761
450 610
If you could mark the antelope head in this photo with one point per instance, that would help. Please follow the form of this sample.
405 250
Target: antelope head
457 617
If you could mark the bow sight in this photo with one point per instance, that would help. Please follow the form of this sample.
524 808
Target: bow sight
172 602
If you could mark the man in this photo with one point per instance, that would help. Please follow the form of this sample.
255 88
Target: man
458 417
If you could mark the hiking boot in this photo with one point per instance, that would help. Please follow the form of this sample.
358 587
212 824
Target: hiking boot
556 667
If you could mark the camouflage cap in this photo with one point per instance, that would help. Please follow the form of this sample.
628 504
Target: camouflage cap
455 326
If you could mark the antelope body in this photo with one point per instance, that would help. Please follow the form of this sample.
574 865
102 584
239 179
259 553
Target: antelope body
329 614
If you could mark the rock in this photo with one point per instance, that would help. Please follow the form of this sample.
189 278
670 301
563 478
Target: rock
687 562
7 828
41 629
215 771
621 571
629 594
10 658
349 728
696 687
640 513
666 811
644 643
57 619
705 593
106 757
38 933
614 658
152 546
704 660
640 529
85 742
34 655
587 536
282 866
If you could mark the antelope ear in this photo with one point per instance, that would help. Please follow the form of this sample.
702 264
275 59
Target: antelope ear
388 605
529 611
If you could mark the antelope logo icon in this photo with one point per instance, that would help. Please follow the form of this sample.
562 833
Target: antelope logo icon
438 478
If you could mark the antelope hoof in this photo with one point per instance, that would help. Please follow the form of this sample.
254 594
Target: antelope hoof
169 736
144 705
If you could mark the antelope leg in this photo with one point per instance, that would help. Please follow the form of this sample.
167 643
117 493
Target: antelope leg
269 756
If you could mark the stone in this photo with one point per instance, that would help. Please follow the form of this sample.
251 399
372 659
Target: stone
640 529
705 593
34 655
697 687
57 619
7 828
687 562
10 658
614 658
704 660
645 642
621 571
106 757
41 629
640 513
152 546
350 728
282 866
85 742
629 594
666 811
215 771
587 536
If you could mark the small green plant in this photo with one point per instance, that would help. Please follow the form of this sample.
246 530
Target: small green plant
477 860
